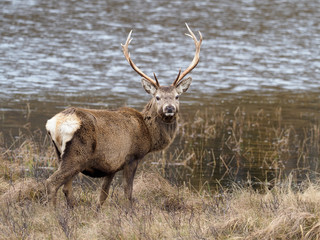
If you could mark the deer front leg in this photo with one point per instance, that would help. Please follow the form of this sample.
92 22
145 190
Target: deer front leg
129 171
105 189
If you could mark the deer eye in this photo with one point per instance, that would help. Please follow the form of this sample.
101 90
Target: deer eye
177 97
158 98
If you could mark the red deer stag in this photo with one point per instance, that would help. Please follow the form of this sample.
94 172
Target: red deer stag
99 143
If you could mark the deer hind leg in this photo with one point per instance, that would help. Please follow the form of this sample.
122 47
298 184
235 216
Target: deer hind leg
129 171
62 176
105 189
67 190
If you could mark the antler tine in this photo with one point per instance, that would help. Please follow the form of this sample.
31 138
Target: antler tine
134 67
195 60
177 79
155 77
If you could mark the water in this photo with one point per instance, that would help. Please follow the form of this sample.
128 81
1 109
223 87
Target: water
257 54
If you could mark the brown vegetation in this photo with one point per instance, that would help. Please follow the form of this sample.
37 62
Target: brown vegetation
163 211
285 207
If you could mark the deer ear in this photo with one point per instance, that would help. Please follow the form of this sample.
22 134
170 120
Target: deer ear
148 86
183 85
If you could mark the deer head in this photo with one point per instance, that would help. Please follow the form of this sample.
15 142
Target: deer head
166 98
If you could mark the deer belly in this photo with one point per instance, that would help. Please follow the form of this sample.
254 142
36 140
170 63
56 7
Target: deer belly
95 173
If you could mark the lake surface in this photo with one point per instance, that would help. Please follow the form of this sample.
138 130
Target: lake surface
255 54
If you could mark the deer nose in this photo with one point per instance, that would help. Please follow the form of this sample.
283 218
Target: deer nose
170 109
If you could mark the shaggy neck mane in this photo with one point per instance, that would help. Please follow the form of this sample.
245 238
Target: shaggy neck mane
162 133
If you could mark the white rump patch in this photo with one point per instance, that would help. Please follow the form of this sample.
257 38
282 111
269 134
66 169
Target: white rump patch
62 128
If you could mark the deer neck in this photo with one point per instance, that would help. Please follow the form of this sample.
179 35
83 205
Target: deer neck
161 132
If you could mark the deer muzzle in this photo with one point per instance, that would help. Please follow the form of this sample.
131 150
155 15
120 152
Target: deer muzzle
169 110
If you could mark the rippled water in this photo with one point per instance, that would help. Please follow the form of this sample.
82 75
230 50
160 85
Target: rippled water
67 47
59 53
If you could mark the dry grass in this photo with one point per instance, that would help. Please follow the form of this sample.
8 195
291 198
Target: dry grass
284 208
162 211
225 145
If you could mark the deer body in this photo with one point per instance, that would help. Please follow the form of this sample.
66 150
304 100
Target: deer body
100 143
105 155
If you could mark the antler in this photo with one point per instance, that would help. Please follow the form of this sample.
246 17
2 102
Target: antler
127 56
195 60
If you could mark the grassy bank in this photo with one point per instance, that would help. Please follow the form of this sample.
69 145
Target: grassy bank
218 145
162 211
